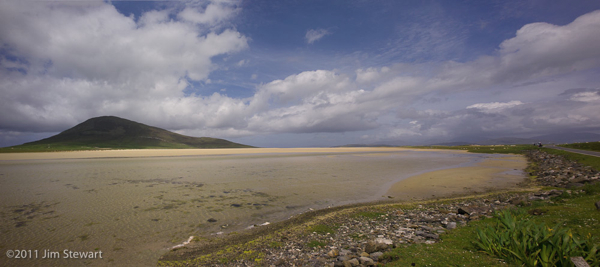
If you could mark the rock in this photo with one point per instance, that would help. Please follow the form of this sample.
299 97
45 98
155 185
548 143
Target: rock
353 262
464 211
366 261
212 220
375 255
386 241
364 254
373 246
451 225
333 253
519 201
598 205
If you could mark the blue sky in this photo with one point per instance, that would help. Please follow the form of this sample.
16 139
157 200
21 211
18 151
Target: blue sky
303 73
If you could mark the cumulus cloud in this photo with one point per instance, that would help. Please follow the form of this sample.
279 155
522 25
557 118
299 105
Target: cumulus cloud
494 106
62 64
313 35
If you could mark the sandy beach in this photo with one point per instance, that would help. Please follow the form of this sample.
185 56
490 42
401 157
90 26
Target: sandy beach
137 153
142 202
488 175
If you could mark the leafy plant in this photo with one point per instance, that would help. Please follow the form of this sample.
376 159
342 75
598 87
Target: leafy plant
520 240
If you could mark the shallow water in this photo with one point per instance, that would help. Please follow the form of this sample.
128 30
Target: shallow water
134 209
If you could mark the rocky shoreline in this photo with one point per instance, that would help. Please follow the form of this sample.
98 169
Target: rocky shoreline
360 236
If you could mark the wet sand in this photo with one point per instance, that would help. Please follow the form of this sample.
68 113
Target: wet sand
136 153
488 175
135 204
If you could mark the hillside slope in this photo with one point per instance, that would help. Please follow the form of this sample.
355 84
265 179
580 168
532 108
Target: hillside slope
111 132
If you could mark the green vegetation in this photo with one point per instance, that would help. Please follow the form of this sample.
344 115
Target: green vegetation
592 146
592 161
322 229
315 243
517 239
116 133
574 213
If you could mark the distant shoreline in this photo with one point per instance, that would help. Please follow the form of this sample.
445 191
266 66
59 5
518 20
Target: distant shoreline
133 153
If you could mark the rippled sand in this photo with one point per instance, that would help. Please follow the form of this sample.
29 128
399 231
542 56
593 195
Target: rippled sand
134 204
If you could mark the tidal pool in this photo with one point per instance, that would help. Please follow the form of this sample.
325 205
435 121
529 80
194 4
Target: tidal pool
134 209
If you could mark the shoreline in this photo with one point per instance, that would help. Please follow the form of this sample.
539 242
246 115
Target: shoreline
143 153
484 172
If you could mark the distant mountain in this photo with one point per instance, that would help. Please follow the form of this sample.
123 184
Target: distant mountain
452 144
556 138
568 137
508 141
111 132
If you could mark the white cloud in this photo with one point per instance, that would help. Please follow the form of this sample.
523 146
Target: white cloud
313 35
586 97
77 63
494 106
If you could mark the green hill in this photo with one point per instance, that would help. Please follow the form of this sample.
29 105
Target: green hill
111 132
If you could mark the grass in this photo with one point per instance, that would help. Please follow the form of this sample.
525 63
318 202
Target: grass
316 243
322 229
574 211
592 146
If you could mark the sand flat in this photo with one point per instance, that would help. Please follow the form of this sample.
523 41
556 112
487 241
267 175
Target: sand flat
141 202
490 174
134 153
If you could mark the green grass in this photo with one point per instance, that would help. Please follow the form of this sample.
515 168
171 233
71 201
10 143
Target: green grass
574 211
316 243
592 146
592 161
322 229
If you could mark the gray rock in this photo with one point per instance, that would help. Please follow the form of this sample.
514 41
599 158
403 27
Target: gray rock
598 205
373 246
464 211
333 253
366 261
451 225
353 262
375 255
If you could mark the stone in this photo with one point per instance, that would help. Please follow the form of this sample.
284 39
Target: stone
375 255
354 262
598 205
366 261
212 220
373 246
333 253
451 225
364 254
464 211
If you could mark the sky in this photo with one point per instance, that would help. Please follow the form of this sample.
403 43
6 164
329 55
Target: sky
303 73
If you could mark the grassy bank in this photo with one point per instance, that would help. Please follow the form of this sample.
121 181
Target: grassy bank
575 211
591 146
592 161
